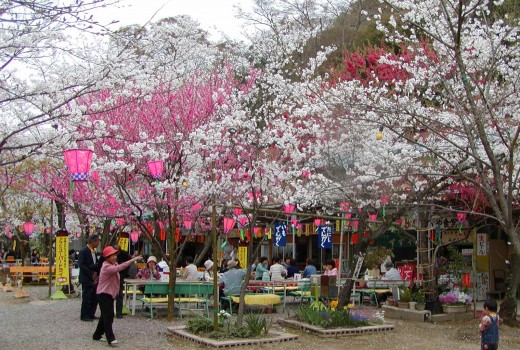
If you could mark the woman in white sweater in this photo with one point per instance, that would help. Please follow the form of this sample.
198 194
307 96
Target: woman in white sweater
277 271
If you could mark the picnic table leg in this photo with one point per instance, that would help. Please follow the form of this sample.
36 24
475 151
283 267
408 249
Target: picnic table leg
134 296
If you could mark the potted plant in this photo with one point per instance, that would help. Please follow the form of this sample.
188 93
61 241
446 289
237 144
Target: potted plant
455 301
405 296
419 299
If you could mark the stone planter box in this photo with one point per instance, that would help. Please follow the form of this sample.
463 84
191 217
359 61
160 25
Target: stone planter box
454 309
334 331
271 337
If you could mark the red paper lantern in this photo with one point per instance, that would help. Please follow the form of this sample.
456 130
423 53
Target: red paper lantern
156 168
78 162
28 227
399 221
355 238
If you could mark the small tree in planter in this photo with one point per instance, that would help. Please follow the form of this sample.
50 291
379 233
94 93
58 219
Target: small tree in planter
420 299
405 295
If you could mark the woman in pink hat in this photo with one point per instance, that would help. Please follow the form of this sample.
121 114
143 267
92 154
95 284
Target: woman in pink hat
107 290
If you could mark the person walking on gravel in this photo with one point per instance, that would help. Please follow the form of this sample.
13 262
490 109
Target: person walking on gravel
107 290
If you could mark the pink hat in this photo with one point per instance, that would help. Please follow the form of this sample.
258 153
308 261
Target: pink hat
109 251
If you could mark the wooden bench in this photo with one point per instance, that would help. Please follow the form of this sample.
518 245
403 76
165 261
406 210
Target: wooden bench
185 294
28 271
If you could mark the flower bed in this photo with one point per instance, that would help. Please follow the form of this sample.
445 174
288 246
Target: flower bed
324 321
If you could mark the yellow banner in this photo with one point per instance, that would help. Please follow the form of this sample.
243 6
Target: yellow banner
123 243
242 257
62 260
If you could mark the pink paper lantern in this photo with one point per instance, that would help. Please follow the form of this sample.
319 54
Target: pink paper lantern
384 199
95 176
156 168
78 162
399 221
306 174
294 222
229 223
461 217
237 211
134 236
120 221
187 223
243 221
289 208
355 224
196 206
348 215
344 206
372 217
317 222
28 227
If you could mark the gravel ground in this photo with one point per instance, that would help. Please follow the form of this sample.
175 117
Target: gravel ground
39 323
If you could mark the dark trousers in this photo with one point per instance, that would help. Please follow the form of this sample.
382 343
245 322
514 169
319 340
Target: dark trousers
104 326
89 301
119 298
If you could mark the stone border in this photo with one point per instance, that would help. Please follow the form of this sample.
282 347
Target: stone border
272 337
334 331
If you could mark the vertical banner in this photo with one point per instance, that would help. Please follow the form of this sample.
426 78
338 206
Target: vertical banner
482 285
482 244
242 256
325 237
62 258
123 241
280 234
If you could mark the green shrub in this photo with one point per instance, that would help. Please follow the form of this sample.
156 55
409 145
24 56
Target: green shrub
419 296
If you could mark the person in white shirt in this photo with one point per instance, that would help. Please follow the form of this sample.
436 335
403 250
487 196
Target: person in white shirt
190 271
208 273
277 271
391 272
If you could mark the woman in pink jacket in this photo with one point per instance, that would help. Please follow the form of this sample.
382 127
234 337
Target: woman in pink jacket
107 290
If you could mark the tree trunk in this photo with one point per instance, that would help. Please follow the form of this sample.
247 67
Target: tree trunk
346 289
204 251
508 307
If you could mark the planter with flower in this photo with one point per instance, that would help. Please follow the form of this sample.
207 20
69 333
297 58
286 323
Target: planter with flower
332 320
455 301
255 330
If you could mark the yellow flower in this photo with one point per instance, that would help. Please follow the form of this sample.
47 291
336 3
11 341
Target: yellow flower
351 306
333 304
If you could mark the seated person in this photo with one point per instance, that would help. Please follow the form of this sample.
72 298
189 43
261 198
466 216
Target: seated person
277 271
208 272
329 268
231 280
261 268
310 269
392 273
373 272
150 271
291 268
190 271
